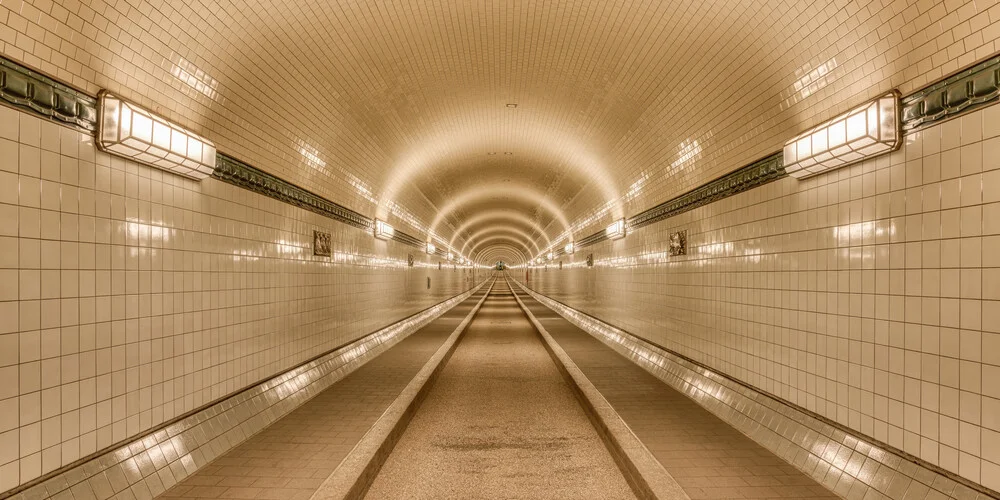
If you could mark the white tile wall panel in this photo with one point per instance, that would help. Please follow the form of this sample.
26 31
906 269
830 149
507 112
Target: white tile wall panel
867 295
130 296
153 463
848 464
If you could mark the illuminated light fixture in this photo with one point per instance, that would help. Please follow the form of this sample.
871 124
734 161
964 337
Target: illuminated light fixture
126 130
569 248
431 248
383 230
451 256
869 130
616 230
551 255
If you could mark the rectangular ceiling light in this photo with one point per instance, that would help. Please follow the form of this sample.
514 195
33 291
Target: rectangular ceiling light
869 130
383 230
616 230
125 129
569 248
431 248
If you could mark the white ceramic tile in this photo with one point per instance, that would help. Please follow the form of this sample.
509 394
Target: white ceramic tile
224 279
757 279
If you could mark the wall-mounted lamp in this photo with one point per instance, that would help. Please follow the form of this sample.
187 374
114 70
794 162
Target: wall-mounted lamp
569 248
383 230
451 256
616 230
866 131
127 130
431 248
551 255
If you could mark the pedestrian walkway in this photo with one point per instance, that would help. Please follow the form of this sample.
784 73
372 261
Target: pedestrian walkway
291 458
706 456
500 422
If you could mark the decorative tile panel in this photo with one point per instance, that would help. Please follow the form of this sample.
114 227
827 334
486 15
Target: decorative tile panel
321 244
753 175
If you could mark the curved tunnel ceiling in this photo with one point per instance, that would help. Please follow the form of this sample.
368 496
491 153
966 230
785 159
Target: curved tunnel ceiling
490 218
501 252
568 114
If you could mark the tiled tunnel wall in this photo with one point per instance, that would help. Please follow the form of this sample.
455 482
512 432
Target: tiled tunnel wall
869 295
129 296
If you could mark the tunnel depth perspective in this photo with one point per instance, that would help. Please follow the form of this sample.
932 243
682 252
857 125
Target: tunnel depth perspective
441 249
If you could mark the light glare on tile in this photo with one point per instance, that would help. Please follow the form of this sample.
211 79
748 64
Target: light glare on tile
616 230
869 130
127 130
383 230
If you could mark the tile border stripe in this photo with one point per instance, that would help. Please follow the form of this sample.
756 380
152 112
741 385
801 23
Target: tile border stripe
32 92
961 93
240 174
742 179
836 457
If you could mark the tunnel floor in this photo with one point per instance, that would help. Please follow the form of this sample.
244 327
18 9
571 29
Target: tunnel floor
709 458
500 422
291 458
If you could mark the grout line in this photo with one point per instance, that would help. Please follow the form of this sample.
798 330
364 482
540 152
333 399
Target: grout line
358 470
644 473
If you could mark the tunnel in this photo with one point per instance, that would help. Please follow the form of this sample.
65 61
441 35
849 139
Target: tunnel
584 249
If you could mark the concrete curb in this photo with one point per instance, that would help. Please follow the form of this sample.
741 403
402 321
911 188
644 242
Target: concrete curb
644 473
355 474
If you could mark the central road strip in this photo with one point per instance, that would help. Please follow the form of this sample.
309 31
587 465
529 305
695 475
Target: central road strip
352 478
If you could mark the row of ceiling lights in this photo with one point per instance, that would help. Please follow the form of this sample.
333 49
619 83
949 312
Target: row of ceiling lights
127 130
869 130
384 231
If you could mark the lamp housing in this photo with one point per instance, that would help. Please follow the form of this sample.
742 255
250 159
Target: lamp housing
383 230
864 132
126 129
616 230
